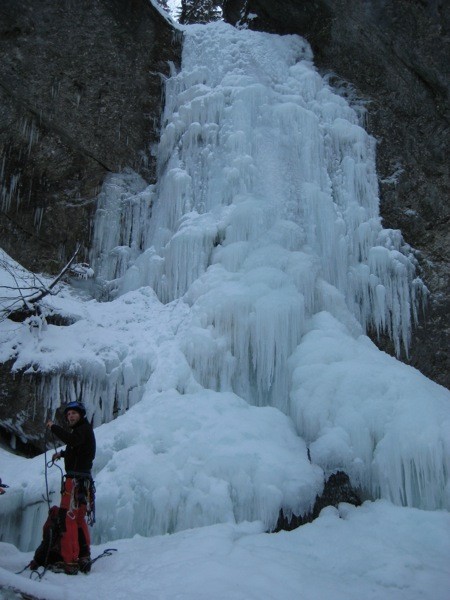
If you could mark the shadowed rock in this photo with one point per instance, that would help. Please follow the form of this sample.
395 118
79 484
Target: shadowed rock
80 96
337 489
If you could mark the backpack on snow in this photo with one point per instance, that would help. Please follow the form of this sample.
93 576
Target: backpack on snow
49 550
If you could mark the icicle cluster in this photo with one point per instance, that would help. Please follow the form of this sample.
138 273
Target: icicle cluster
109 387
363 411
120 228
266 181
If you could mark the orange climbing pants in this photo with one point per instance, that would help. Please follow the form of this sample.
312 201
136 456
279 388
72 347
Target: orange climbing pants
75 540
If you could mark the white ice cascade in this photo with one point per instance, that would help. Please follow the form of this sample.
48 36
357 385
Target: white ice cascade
241 285
266 212
263 240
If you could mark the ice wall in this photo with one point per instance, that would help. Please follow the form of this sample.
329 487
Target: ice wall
178 461
362 410
120 228
267 192
253 268
266 215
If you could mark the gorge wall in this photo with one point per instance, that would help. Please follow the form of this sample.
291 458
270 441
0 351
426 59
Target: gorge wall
394 55
80 95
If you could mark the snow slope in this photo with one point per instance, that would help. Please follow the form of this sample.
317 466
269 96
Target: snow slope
377 552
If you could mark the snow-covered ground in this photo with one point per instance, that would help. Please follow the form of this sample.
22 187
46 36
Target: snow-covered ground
376 552
229 342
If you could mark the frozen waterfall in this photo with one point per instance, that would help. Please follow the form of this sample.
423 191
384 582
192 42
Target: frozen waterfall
264 217
265 213
235 296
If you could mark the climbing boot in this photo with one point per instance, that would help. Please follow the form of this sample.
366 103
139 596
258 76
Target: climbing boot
85 564
67 568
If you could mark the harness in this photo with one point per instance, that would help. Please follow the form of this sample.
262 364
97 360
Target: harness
82 492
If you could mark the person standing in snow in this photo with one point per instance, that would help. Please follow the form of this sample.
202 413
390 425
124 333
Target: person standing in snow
78 489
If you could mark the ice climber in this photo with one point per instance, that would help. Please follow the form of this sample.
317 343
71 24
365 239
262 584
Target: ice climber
77 489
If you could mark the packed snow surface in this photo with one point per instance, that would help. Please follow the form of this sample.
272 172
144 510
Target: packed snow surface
228 337
376 552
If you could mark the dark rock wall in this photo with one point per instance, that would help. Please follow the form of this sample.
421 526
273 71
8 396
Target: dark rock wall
22 418
337 489
80 95
395 53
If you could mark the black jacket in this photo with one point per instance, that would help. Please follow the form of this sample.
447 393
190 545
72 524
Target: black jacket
80 451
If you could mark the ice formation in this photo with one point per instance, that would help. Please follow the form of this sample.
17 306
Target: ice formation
260 163
266 213
240 287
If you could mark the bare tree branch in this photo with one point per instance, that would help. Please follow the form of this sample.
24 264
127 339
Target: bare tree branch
48 290
29 291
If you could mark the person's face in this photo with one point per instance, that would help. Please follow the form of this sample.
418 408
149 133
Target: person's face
73 417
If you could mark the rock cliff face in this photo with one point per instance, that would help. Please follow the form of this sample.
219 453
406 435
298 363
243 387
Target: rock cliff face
394 54
80 95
